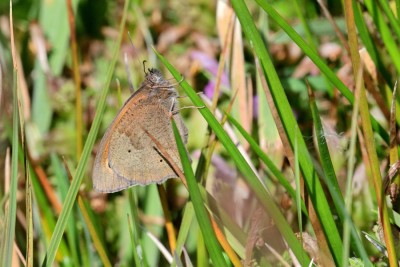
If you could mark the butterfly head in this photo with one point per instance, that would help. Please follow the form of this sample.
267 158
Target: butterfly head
154 76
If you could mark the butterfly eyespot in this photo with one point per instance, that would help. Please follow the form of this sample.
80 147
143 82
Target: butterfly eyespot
160 160
129 151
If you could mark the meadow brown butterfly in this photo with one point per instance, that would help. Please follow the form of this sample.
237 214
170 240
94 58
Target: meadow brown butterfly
127 156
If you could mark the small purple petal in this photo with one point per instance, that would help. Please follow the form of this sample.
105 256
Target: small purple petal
209 89
210 65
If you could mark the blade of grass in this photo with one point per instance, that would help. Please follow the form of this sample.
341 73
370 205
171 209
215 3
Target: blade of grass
393 152
152 205
83 207
312 42
389 14
397 9
243 166
28 260
331 180
369 44
133 243
8 241
63 185
210 240
78 177
137 242
350 170
187 219
5 197
29 218
201 251
385 33
47 222
298 186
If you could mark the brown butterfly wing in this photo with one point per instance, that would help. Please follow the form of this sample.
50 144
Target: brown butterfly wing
127 156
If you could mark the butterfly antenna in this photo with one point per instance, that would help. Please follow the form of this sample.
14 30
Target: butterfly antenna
144 67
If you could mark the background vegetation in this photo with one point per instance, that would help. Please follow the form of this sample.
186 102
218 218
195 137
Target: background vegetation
293 152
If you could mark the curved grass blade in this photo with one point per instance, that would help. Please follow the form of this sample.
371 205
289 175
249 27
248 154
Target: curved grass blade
210 240
11 215
331 180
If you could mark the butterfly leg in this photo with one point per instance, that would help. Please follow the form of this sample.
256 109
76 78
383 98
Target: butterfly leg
170 113
184 96
195 107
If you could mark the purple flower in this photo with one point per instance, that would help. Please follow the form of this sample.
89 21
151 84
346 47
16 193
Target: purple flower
210 65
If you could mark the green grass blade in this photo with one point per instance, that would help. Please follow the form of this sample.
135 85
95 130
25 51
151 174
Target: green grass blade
212 244
369 44
47 217
298 186
63 185
80 171
29 218
386 33
201 252
187 219
389 13
134 228
152 205
133 243
244 168
8 241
